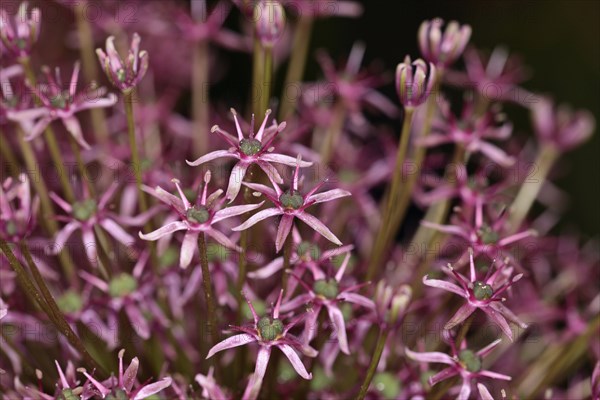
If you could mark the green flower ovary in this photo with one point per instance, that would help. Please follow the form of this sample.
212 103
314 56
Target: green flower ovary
61 100
488 236
84 210
482 291
67 394
70 302
122 285
119 394
470 360
327 288
291 201
308 250
198 215
11 228
250 147
270 329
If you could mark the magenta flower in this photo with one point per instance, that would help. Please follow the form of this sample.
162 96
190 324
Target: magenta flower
196 219
560 127
61 104
210 388
268 332
414 81
465 363
124 74
486 238
122 387
291 204
269 19
442 49
18 210
256 149
19 37
88 213
485 295
472 132
326 292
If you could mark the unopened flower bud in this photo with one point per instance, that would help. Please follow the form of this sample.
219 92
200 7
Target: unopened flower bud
269 17
442 49
414 81
19 37
126 73
400 302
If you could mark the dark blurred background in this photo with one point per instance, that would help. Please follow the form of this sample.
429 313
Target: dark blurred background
558 39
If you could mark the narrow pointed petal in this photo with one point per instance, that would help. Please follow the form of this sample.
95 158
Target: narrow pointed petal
63 235
358 299
429 357
268 270
234 211
130 374
73 126
318 226
153 388
231 342
270 171
90 245
257 187
328 196
451 287
285 160
285 226
442 375
138 321
487 349
290 353
465 390
495 375
463 313
222 239
337 319
117 232
164 230
496 317
255 383
484 393
211 156
188 248
235 180
259 216
508 314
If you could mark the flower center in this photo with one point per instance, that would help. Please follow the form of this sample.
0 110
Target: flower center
11 228
60 100
488 236
67 394
198 215
482 291
308 251
84 210
291 201
70 302
250 146
119 394
270 329
122 285
470 361
121 75
327 288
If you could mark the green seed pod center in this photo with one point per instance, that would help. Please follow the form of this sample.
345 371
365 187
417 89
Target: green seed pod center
198 215
67 394
482 291
250 147
308 251
84 210
11 228
327 288
70 302
122 285
60 100
291 201
121 75
270 329
470 360
488 236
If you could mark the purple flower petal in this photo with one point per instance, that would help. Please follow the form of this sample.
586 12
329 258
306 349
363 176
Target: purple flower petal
164 230
328 196
484 393
451 287
117 232
429 357
290 353
259 216
235 180
337 319
234 211
153 388
188 248
358 299
285 226
495 375
268 270
138 321
442 375
130 374
255 383
231 342
63 235
271 171
222 239
73 126
463 313
318 226
499 320
465 390
283 159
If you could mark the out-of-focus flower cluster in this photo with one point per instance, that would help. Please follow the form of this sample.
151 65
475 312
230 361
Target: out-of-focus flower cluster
293 237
